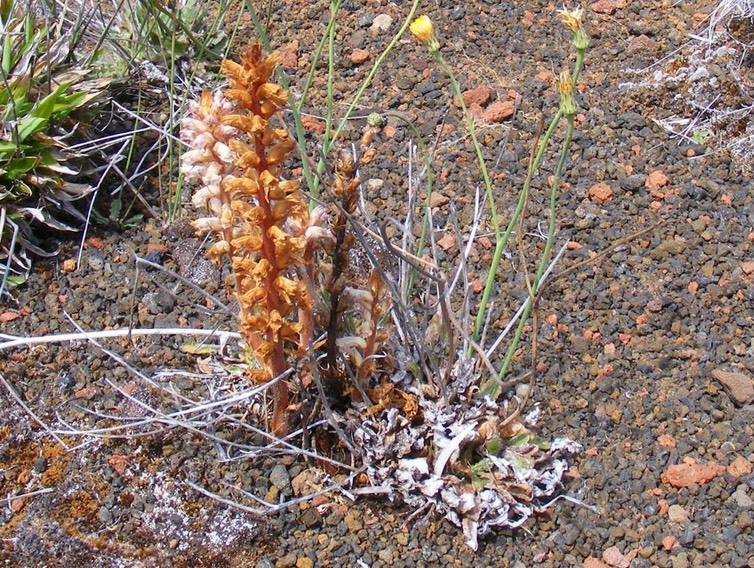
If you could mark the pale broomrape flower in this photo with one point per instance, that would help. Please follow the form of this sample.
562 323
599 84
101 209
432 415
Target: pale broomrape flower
422 29
210 160
574 21
565 89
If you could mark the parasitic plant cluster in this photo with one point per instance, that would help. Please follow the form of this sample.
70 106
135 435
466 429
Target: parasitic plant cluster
355 311
259 217
290 270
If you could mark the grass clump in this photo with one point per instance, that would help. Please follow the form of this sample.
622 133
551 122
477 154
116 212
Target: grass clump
43 100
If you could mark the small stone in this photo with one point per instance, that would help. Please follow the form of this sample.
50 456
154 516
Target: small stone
671 246
600 192
352 522
633 182
359 56
476 110
681 561
381 23
280 478
40 464
740 467
615 558
666 441
656 180
668 542
480 95
313 124
604 7
647 551
386 555
744 521
69 265
742 499
289 55
592 562
738 385
747 267
446 242
306 482
499 111
437 200
304 562
105 515
405 83
677 514
287 561
690 472
96 261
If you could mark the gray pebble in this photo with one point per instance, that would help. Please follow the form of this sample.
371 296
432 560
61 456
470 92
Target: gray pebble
742 499
280 478
633 182
105 515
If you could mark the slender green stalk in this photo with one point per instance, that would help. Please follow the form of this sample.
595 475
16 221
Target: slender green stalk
367 81
568 109
492 387
475 141
173 199
503 241
334 7
499 242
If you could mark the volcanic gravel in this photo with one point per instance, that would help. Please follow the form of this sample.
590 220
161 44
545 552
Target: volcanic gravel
628 345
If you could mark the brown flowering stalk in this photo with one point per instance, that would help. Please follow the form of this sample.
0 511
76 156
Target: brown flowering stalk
355 310
236 155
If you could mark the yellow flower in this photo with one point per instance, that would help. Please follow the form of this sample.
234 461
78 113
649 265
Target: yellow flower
422 29
573 19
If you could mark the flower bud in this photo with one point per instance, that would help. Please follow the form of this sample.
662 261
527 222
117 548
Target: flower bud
565 89
422 29
574 21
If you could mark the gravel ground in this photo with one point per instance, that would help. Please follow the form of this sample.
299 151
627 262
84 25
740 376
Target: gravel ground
647 354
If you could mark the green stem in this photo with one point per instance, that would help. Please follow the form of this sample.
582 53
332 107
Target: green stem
368 81
334 6
492 388
501 243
